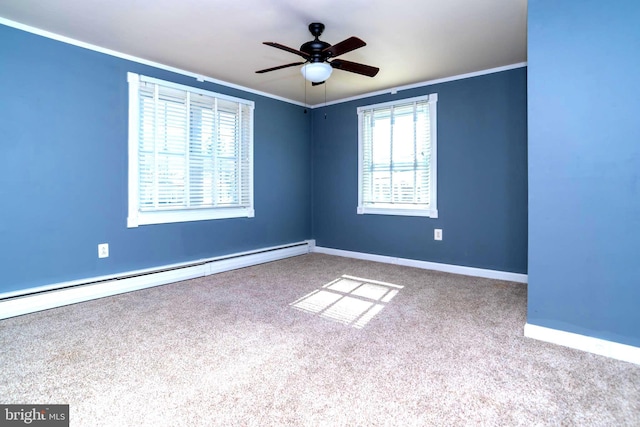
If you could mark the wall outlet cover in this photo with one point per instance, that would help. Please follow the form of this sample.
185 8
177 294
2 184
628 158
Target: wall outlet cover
103 250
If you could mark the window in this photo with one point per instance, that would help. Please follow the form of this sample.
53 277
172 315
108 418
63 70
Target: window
397 158
190 154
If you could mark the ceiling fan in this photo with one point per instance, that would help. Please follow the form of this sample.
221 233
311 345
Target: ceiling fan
317 54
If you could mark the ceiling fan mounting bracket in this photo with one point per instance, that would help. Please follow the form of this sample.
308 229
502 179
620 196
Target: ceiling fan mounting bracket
316 29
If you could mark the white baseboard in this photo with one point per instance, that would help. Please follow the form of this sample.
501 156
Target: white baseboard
593 345
58 295
448 268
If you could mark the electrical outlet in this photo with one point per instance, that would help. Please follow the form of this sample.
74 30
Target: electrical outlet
437 234
103 250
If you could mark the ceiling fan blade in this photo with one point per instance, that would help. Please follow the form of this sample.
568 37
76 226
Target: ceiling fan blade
354 67
288 49
316 84
266 70
344 46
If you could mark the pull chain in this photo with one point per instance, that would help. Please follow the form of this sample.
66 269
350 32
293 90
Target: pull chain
305 90
325 100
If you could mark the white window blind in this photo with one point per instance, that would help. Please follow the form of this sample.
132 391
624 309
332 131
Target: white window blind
190 153
397 158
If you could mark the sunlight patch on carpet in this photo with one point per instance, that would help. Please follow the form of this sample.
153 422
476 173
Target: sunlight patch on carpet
353 301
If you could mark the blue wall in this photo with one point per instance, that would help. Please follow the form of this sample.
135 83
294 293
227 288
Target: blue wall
64 162
482 178
63 157
584 167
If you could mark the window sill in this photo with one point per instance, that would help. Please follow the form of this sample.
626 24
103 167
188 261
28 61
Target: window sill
165 217
430 213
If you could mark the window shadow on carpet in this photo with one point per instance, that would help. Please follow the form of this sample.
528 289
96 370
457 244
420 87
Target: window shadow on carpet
353 301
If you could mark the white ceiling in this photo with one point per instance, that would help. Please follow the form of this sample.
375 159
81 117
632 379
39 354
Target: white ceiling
411 41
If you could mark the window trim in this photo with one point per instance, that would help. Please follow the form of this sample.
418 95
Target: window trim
432 211
136 217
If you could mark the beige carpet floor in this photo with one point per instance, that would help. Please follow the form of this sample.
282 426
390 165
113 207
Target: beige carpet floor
313 340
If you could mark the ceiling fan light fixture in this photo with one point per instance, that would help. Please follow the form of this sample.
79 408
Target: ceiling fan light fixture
316 72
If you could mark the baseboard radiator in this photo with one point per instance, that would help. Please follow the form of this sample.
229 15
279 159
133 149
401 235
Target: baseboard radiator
57 295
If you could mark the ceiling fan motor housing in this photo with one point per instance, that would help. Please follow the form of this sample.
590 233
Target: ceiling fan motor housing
315 47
